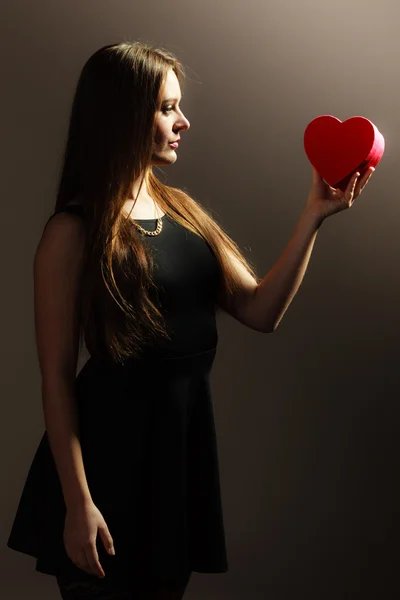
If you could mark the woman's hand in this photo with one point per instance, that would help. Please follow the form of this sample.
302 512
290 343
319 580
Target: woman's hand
80 533
324 200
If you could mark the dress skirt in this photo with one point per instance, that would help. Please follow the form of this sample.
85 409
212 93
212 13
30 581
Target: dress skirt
149 449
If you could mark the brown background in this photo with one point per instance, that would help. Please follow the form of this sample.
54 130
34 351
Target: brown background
307 418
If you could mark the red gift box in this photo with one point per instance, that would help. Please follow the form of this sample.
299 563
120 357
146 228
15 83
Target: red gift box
338 149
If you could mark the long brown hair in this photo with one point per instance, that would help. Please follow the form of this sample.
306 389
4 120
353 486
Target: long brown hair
109 147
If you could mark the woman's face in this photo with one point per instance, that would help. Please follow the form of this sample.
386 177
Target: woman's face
170 121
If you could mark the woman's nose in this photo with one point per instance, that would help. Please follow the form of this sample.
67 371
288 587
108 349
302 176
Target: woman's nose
186 124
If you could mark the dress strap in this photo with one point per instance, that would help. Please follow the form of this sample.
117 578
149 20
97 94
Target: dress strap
71 208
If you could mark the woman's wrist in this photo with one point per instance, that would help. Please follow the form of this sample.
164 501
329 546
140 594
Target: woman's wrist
78 502
311 218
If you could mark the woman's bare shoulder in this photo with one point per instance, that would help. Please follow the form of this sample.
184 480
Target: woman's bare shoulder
64 232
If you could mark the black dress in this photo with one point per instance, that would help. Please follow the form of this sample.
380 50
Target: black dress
148 439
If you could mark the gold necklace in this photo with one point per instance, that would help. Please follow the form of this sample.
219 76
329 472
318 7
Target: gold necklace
157 230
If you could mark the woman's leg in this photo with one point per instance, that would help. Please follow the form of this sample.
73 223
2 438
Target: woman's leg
90 590
164 590
99 590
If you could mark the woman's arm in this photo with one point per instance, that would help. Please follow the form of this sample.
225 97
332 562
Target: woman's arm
278 288
57 273
261 307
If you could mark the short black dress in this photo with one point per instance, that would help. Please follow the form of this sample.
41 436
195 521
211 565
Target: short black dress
148 438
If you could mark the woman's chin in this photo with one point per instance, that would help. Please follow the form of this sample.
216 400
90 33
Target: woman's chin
165 158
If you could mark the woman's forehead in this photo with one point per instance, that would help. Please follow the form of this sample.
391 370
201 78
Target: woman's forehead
171 88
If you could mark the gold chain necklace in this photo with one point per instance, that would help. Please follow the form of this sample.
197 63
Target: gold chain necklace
157 230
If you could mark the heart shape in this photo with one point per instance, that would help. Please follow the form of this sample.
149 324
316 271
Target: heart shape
338 149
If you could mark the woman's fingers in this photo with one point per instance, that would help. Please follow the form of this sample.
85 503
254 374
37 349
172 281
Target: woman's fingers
82 562
92 557
363 181
89 561
350 190
106 538
82 525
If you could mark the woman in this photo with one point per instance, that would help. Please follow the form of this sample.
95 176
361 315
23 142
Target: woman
137 270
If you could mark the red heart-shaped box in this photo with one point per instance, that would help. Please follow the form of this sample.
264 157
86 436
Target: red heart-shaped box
338 149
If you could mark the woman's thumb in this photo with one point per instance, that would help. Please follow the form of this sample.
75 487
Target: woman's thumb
107 539
316 177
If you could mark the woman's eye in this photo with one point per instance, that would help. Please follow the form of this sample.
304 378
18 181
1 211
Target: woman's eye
168 108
